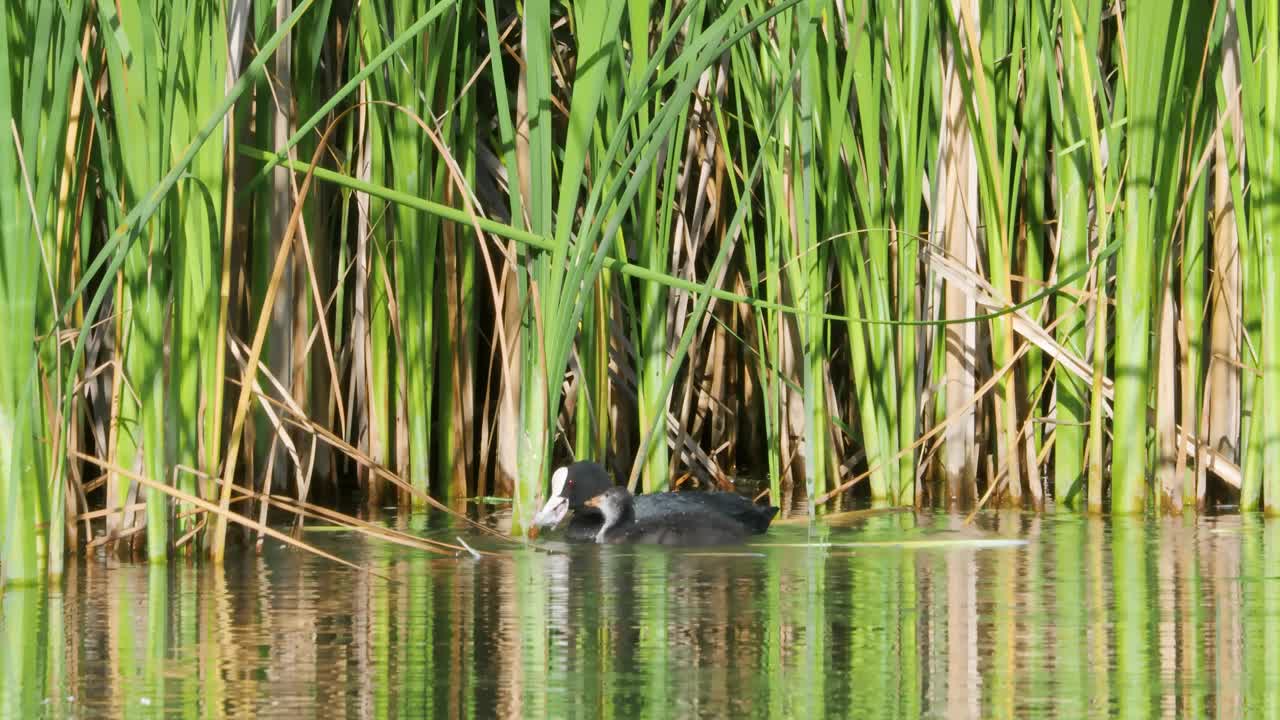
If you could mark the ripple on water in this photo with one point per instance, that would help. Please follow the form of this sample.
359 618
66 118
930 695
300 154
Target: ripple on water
893 616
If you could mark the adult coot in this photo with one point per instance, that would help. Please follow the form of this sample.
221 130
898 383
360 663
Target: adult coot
677 528
573 485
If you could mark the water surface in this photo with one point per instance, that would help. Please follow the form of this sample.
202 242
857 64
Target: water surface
896 616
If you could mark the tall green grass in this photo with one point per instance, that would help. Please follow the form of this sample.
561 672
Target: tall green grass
515 219
1159 41
37 48
1259 34
1071 107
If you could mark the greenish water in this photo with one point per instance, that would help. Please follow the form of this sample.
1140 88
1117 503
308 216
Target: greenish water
898 616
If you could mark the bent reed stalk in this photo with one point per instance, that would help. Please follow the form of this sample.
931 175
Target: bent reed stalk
515 231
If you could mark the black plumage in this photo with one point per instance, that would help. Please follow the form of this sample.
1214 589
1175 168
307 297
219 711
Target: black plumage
575 484
621 524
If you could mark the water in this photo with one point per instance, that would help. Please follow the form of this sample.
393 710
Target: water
895 616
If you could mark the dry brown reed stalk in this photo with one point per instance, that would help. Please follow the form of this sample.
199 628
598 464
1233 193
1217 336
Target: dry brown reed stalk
967 281
936 430
223 514
305 509
1042 339
294 416
956 222
1002 472
218 544
378 532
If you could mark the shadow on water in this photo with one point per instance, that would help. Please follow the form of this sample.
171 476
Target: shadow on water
898 616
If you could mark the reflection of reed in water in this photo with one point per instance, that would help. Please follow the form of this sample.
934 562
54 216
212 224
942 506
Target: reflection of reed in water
1080 621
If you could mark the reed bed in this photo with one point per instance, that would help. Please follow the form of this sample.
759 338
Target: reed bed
420 251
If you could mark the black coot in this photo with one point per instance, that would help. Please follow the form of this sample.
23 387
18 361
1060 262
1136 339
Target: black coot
572 486
677 528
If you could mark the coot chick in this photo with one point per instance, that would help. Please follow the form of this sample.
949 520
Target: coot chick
573 485
679 528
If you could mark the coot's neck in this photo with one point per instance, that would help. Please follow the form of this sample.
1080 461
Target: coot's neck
617 515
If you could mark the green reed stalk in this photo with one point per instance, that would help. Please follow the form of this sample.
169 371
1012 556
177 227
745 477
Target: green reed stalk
863 279
1070 105
597 435
1105 184
455 346
196 250
1260 106
382 350
807 270
140 65
999 138
749 99
763 85
1039 71
912 61
593 435
34 100
1195 262
411 83
592 408
340 300
1157 47
991 88
863 260
61 186
1250 385
887 73
536 296
654 250
1193 120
